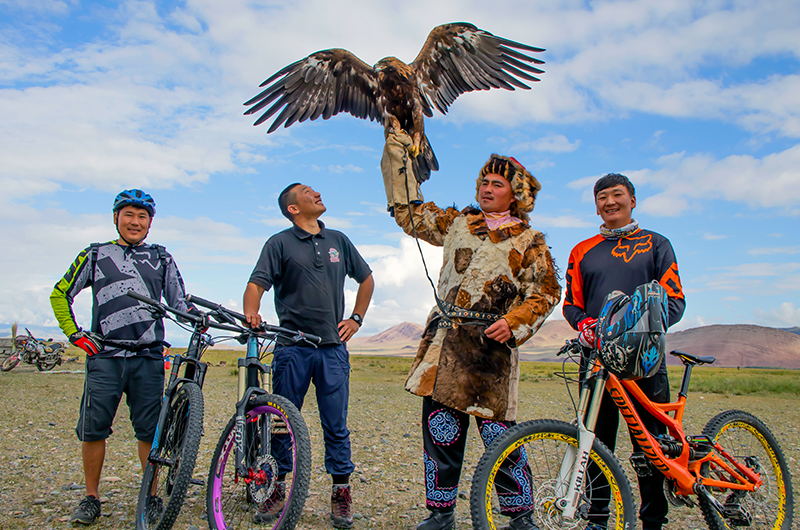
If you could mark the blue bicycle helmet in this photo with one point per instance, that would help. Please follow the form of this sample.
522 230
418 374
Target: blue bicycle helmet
135 198
632 331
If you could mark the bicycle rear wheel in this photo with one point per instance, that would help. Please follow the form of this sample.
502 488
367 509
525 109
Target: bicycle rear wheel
170 465
751 443
238 502
541 446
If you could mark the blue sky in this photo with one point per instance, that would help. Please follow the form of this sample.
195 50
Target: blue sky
697 102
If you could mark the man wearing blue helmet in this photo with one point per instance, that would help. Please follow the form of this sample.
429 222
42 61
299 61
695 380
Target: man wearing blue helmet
621 258
124 346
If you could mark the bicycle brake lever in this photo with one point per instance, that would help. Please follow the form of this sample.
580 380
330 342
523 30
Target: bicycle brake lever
156 312
567 347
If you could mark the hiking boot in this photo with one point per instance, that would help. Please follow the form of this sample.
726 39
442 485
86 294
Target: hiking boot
155 510
87 512
438 521
522 522
341 504
595 526
273 506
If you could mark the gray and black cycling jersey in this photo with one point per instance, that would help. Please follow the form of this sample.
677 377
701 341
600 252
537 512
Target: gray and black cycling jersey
125 324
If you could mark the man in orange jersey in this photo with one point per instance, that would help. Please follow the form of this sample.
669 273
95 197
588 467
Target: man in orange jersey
621 257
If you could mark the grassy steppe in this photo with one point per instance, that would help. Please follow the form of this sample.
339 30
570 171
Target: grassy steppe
40 455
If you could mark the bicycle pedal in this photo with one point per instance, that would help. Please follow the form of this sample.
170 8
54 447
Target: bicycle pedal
736 514
641 465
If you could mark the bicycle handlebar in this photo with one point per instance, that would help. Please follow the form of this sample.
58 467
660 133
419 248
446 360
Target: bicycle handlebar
263 327
147 300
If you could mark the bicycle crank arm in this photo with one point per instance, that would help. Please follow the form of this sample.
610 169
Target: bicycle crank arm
197 482
161 461
568 504
734 512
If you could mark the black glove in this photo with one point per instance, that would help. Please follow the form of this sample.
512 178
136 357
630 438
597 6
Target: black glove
202 327
87 341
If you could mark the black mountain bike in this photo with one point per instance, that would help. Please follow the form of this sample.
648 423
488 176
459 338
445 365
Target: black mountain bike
170 464
261 467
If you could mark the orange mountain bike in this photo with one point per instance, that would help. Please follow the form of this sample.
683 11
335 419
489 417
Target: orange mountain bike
735 470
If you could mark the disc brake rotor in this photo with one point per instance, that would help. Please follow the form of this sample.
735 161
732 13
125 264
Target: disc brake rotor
263 483
547 513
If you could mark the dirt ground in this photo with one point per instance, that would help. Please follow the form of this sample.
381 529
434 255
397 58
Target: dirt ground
41 473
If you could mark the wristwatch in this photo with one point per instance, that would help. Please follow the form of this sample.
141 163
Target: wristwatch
355 317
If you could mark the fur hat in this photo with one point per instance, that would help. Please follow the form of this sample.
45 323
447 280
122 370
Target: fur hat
523 184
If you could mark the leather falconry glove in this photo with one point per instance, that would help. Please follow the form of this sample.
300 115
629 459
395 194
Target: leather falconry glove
394 178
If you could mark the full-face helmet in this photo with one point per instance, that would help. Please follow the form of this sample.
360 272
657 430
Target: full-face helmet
632 331
135 198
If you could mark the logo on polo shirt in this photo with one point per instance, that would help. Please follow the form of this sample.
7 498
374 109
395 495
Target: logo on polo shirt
334 255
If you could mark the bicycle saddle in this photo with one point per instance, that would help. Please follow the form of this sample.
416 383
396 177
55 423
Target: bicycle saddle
688 358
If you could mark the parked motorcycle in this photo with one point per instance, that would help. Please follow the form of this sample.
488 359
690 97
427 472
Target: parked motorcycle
45 355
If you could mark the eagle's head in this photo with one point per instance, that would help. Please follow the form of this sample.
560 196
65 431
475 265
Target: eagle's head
393 65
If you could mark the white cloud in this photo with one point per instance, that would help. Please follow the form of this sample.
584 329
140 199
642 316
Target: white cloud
560 221
553 143
708 236
786 315
349 168
768 279
773 250
402 292
769 182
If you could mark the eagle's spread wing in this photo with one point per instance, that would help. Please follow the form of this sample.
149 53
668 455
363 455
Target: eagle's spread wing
323 84
459 58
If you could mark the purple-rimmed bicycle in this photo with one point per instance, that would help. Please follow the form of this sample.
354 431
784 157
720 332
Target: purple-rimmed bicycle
261 467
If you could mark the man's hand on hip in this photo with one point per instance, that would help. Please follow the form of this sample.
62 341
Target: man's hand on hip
87 341
347 328
499 331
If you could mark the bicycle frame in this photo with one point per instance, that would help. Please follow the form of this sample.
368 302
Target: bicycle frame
194 372
683 468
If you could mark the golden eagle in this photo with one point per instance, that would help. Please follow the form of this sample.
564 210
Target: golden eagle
456 58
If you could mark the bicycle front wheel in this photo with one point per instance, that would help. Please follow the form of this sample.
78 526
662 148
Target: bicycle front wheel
538 455
10 362
751 443
277 459
171 461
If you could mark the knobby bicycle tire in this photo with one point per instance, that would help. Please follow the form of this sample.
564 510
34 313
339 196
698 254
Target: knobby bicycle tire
178 442
10 362
233 504
750 442
541 446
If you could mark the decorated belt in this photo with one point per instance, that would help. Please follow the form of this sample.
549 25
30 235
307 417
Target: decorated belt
450 311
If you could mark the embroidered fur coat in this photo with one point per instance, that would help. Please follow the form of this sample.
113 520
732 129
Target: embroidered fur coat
507 271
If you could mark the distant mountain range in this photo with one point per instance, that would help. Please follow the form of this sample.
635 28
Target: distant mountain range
732 345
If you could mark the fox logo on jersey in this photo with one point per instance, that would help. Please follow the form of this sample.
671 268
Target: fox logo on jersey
628 247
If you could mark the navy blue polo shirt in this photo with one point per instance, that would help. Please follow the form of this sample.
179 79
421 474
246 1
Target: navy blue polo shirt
308 273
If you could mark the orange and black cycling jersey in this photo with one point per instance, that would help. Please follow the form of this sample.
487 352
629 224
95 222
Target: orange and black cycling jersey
598 266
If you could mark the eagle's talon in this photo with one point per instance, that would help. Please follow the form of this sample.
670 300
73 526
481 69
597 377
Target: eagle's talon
413 150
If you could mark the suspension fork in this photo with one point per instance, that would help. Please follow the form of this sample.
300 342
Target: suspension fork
249 369
572 474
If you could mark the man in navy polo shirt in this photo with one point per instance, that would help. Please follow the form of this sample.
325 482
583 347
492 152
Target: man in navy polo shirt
307 265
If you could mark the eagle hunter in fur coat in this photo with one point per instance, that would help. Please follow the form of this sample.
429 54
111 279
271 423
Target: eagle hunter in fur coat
508 272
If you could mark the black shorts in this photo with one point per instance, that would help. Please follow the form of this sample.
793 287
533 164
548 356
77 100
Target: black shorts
107 378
